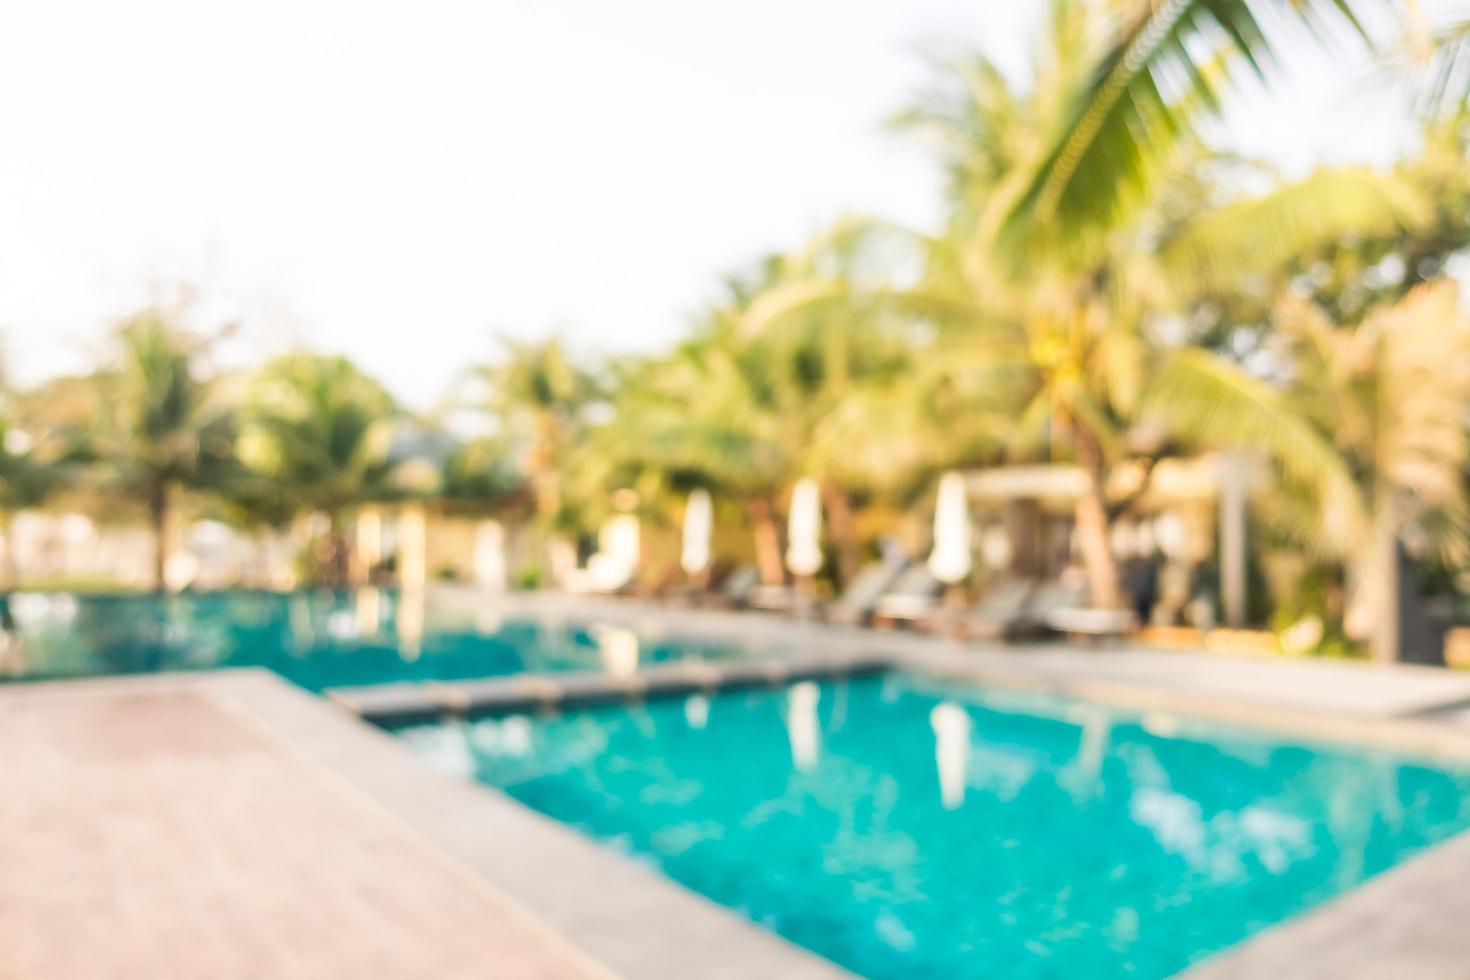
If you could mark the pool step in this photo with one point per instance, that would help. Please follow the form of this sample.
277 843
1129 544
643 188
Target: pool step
408 703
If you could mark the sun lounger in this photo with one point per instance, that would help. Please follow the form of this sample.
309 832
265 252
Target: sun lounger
1093 624
914 595
1066 608
1001 614
857 603
772 598
734 590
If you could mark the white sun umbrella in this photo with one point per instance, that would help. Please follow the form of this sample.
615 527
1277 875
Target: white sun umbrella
698 523
950 559
804 530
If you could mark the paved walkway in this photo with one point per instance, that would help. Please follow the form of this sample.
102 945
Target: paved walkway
159 834
1311 684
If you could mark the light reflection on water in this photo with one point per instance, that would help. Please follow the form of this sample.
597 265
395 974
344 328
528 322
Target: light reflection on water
914 828
316 639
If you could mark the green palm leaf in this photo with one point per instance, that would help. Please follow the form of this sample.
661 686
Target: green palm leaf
1200 396
1231 248
1152 85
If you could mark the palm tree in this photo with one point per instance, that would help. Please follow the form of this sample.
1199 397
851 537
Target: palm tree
1164 69
1391 392
755 400
163 432
703 416
540 398
541 402
478 476
322 431
1074 334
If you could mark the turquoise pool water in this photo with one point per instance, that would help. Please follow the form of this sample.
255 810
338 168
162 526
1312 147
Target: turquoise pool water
917 829
314 639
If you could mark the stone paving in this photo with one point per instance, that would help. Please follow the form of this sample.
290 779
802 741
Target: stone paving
155 834
228 825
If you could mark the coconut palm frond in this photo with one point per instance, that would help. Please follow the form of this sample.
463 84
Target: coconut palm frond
1238 244
1200 396
1432 63
1152 86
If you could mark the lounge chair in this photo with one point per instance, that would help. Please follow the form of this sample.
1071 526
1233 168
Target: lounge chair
914 595
1081 622
734 589
1001 614
604 575
855 606
773 598
1065 606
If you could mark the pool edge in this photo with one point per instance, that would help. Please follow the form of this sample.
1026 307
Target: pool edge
555 877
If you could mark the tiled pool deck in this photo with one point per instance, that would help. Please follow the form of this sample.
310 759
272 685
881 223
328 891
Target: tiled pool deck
229 825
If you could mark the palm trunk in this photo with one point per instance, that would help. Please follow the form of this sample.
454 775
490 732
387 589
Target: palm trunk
336 550
1093 527
545 475
767 532
1385 584
9 570
158 516
844 534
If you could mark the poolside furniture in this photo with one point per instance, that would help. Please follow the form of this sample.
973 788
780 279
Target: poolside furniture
734 590
1065 606
613 568
1002 613
604 575
856 604
1093 624
914 595
772 598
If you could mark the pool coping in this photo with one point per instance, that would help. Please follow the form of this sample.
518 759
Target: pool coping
623 917
1417 727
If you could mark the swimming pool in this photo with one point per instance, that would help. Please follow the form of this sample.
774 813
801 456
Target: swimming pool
906 827
317 640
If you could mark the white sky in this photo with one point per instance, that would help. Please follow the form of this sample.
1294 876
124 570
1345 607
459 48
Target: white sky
400 182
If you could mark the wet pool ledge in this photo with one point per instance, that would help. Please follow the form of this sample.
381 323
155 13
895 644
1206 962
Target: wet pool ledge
408 703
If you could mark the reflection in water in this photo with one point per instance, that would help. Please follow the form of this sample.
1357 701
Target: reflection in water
369 611
509 736
342 625
696 711
801 725
488 620
448 750
1180 846
410 624
298 613
951 725
1082 777
619 648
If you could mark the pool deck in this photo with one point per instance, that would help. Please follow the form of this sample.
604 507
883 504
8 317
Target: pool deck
230 825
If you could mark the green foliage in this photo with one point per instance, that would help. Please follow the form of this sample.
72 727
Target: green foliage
320 429
527 579
163 424
1159 70
540 399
